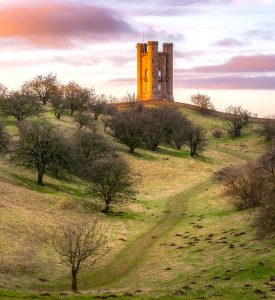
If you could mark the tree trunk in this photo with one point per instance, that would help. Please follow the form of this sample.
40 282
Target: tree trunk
74 281
107 207
40 175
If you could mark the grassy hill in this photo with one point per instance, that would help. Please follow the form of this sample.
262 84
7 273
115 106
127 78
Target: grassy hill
180 239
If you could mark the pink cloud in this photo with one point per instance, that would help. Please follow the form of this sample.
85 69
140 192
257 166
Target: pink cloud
228 82
229 42
62 25
238 64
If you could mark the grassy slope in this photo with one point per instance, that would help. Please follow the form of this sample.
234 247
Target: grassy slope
166 250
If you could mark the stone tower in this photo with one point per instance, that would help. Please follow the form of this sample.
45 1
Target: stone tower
154 72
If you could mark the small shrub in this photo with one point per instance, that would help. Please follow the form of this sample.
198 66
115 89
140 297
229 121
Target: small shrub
217 133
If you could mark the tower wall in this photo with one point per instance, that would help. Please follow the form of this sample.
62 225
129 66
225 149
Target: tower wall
168 49
154 72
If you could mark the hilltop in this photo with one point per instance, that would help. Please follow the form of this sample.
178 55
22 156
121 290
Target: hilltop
180 238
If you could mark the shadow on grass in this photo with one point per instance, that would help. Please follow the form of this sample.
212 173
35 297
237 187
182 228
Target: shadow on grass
49 188
204 159
143 156
174 152
128 215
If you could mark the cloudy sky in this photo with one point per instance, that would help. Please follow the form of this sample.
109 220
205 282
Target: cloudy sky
223 48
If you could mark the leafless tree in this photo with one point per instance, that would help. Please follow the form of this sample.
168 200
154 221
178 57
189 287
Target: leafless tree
203 102
43 86
131 99
85 119
42 147
58 102
128 128
112 181
3 90
80 244
236 120
20 104
109 110
267 128
196 139
98 104
77 98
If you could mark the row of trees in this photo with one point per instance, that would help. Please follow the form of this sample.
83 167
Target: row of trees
150 127
252 186
29 99
86 154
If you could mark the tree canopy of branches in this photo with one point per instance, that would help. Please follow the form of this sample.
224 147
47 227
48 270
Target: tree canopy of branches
42 86
152 127
80 244
244 185
43 148
4 139
203 102
89 147
267 128
77 98
3 90
58 102
97 105
236 120
128 128
112 181
84 119
253 186
20 104
108 112
196 139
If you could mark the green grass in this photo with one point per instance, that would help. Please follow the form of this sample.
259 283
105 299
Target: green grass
149 258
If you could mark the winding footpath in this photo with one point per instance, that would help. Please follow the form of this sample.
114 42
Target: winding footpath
129 258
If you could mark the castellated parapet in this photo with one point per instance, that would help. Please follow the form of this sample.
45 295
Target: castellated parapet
154 72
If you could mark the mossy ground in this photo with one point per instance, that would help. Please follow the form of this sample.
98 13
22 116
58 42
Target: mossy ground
179 239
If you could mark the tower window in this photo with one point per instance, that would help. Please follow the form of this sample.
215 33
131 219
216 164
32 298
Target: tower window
159 87
159 73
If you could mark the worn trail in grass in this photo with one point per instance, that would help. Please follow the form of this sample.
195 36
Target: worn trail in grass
131 256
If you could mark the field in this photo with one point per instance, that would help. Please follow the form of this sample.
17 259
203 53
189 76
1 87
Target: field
181 238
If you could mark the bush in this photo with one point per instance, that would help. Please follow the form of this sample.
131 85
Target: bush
203 102
244 185
217 133
267 129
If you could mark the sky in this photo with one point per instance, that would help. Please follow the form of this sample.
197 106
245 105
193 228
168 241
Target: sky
225 48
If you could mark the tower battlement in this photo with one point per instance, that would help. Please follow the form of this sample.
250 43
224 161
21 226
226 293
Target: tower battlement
154 71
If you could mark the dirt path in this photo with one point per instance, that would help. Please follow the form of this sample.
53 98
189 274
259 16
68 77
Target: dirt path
132 255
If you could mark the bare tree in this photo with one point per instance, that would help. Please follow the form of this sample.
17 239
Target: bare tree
77 98
112 181
97 105
84 119
43 86
196 139
58 102
131 99
128 128
109 110
80 244
43 148
152 132
3 90
203 101
20 104
236 120
267 128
